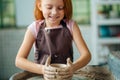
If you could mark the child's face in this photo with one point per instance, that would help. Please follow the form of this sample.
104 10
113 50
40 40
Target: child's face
53 11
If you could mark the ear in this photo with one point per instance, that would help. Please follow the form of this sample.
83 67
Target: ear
39 6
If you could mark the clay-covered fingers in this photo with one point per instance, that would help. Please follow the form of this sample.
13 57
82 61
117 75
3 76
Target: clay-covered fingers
49 77
69 62
50 73
50 70
65 73
65 77
48 61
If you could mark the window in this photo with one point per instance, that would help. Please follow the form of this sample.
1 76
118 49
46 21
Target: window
81 11
7 14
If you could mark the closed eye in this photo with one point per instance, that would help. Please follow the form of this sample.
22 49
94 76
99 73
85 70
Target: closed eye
61 8
49 7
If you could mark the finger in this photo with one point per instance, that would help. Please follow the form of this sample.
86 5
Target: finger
68 71
50 77
66 76
63 73
69 62
51 69
48 61
50 72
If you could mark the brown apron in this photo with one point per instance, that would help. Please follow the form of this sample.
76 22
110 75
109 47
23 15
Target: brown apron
60 41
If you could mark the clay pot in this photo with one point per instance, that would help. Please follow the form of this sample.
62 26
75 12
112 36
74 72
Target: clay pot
57 68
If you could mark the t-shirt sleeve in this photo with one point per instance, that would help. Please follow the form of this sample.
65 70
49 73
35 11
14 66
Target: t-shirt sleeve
70 24
32 28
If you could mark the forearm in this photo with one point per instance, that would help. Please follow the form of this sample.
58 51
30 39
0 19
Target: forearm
81 62
27 65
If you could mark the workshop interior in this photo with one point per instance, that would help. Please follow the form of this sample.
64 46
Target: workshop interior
98 20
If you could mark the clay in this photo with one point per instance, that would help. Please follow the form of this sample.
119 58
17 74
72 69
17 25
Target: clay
57 69
95 73
87 73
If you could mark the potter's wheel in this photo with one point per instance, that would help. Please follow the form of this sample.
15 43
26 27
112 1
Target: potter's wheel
80 78
86 73
73 78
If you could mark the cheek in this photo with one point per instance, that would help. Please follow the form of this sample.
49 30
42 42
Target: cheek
62 13
45 12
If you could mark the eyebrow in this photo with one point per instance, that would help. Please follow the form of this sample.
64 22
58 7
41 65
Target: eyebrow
51 5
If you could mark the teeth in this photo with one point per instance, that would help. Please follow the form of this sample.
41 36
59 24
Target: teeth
53 18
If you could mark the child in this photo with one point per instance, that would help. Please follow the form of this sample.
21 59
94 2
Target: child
53 17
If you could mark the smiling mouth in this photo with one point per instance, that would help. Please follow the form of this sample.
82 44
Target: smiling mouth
53 18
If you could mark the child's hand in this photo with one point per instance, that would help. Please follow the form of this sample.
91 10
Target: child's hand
49 72
67 72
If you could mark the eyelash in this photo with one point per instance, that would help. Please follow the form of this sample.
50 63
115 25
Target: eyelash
59 8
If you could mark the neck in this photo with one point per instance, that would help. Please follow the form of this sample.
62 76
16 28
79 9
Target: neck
52 24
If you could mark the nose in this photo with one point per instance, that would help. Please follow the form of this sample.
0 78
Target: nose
54 11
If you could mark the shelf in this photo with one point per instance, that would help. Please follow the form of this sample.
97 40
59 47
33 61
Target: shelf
108 22
104 23
114 40
108 2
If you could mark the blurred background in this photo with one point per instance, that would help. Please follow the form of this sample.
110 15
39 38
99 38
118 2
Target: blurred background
98 20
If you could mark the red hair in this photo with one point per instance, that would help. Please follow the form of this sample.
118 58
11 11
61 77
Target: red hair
37 13
67 9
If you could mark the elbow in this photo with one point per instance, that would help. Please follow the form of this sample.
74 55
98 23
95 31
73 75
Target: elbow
90 57
16 62
87 57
